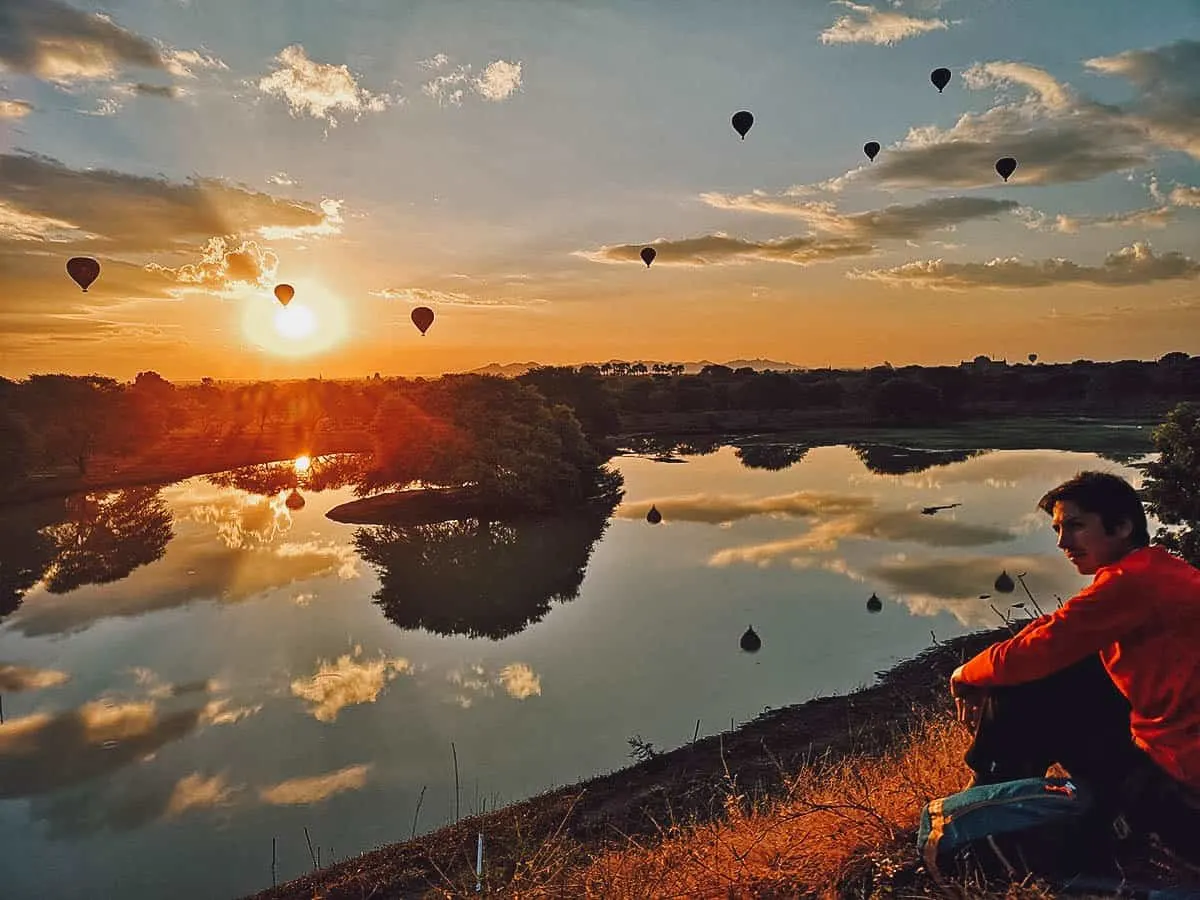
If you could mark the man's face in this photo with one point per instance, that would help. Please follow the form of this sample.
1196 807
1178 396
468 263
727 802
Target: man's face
1082 537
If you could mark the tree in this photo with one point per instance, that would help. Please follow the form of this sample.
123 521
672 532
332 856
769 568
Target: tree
80 416
590 398
907 401
16 447
1172 487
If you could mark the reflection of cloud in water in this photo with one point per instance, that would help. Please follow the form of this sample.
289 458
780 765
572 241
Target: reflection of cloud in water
216 574
218 712
347 682
716 509
929 587
242 521
197 792
44 752
520 681
887 525
1008 469
22 678
298 791
517 679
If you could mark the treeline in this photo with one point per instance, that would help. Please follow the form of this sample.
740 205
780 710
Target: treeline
60 424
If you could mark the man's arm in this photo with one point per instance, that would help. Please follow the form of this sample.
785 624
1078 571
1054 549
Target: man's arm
1103 612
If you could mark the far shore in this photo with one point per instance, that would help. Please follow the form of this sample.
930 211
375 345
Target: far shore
180 457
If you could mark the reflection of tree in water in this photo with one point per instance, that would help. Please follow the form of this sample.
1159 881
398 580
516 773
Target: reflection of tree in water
667 446
772 457
887 459
324 473
478 578
26 551
107 536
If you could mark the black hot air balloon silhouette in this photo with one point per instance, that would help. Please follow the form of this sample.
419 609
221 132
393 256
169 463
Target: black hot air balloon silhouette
648 254
871 148
654 516
874 604
750 641
1004 583
1033 357
422 317
940 78
284 293
742 122
1005 166
294 501
84 270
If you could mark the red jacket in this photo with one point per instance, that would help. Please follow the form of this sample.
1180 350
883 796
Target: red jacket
1142 614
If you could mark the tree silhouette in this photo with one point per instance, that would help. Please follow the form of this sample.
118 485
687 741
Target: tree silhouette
772 457
26 551
480 578
885 459
107 536
1173 482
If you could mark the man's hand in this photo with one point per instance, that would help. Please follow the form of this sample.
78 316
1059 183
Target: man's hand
968 700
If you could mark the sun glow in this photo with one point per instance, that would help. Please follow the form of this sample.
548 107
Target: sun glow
314 322
302 464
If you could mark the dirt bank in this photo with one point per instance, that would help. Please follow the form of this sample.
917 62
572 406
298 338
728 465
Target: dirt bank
685 783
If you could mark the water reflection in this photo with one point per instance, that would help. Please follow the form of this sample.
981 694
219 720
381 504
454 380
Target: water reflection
887 459
480 578
771 457
318 473
25 551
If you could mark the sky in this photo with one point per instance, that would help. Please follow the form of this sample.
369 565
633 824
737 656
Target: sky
503 162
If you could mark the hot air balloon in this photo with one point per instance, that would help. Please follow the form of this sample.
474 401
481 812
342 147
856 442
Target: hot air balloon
742 122
750 641
940 78
654 516
84 270
1005 166
1004 583
871 148
1033 357
874 604
294 501
422 317
284 293
648 254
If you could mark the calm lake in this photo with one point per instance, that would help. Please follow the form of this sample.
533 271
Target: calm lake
196 668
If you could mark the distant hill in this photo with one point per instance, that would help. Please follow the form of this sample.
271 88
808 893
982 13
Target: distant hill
512 370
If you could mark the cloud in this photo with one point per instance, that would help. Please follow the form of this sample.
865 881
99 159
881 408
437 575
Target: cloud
45 752
868 25
520 681
183 63
14 679
898 525
895 222
434 62
197 792
347 682
222 264
1150 217
319 89
1055 134
330 224
1129 266
61 44
15 109
283 179
718 509
499 81
300 791
1184 195
720 249
428 296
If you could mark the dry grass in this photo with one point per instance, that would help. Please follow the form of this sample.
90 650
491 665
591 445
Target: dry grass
844 828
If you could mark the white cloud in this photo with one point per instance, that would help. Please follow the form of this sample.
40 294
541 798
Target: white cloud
349 681
15 109
319 89
283 179
437 61
499 81
520 681
868 25
1184 195
720 249
1133 265
301 791
183 63
449 89
331 223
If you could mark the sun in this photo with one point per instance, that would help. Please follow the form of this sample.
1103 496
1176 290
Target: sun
314 322
302 464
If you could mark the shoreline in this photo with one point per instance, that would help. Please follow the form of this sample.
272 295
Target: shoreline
685 784
178 458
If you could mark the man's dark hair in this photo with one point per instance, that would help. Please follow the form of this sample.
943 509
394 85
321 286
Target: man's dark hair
1110 496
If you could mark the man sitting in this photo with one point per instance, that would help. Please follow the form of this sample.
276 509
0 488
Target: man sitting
1108 686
